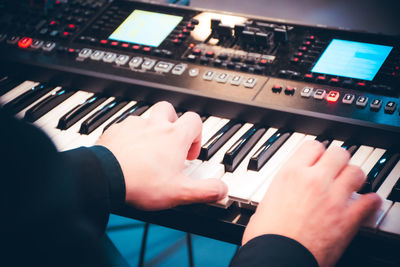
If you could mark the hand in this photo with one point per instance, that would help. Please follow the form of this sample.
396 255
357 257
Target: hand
151 153
310 201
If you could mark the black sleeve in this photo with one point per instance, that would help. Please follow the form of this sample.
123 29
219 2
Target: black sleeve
271 251
55 206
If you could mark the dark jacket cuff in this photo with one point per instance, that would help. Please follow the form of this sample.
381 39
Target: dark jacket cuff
112 170
273 250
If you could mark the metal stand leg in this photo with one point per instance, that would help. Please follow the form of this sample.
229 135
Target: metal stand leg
190 249
143 246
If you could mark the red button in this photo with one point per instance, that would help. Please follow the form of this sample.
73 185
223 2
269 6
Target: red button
333 96
25 42
125 45
136 47
146 49
114 43
103 41
71 26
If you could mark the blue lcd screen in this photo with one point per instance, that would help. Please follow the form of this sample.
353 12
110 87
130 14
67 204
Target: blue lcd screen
352 59
146 28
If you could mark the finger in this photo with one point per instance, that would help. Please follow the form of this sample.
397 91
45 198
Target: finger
349 180
308 153
190 127
163 111
363 207
332 162
201 191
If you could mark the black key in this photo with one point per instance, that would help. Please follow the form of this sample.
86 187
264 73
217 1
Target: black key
136 110
219 139
239 150
325 140
395 193
268 149
351 147
101 116
47 104
204 117
27 98
180 112
380 171
8 83
80 111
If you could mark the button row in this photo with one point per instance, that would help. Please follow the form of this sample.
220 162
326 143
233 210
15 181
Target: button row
348 99
224 78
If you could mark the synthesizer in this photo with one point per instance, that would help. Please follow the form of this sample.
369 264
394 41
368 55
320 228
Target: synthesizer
262 87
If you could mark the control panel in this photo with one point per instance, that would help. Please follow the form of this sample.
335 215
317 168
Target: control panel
214 54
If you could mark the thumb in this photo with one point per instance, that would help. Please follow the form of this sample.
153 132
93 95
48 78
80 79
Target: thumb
364 206
201 191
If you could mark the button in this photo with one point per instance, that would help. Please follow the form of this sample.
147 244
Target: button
25 42
49 46
148 64
276 88
109 57
209 75
289 90
2 37
334 81
236 80
320 94
250 82
333 96
36 44
204 60
196 51
192 58
348 99
390 107
179 69
164 67
12 40
135 62
121 60
306 92
362 101
222 78
223 56
97 55
376 105
194 72
85 53
114 43
308 77
167 53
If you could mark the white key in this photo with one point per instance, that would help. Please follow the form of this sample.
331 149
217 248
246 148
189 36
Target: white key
221 123
65 137
361 155
336 143
372 160
190 166
269 172
208 125
390 224
213 168
235 180
387 186
21 114
90 140
17 91
252 180
50 120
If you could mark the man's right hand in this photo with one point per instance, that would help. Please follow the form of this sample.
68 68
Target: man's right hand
310 201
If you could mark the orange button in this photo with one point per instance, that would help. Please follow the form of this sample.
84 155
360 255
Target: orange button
332 96
25 42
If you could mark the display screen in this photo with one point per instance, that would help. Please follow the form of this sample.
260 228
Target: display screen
145 28
352 59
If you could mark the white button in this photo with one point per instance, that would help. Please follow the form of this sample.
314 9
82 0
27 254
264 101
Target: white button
250 82
222 78
85 53
348 99
194 72
209 75
135 62
179 69
320 94
97 55
121 60
148 64
163 67
109 57
307 92
236 80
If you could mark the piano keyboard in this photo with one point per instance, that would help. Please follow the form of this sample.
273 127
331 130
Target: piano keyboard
245 156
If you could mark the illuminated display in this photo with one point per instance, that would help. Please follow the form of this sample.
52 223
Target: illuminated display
352 59
145 28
